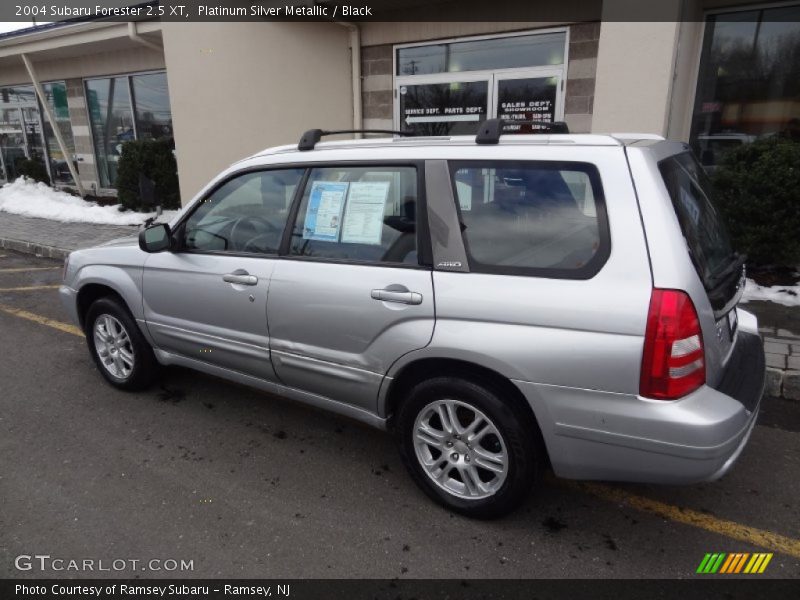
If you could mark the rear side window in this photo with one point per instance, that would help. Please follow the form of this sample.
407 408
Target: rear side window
702 226
364 214
541 218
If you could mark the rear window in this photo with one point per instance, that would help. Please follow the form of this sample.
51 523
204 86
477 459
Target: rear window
693 199
541 218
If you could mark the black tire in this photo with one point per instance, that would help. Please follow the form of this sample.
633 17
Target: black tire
521 436
145 366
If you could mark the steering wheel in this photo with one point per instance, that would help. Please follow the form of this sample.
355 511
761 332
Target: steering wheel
250 229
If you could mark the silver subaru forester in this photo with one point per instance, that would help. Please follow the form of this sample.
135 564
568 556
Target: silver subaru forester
501 303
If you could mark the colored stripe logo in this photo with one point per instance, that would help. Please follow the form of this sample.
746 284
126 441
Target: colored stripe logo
733 563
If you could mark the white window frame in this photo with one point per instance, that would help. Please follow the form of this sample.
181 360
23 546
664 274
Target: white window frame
487 75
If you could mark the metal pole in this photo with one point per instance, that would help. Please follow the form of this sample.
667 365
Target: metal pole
56 130
355 57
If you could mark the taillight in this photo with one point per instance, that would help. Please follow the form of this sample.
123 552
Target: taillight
673 361
64 270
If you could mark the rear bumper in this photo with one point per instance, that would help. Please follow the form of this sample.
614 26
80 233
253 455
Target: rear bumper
619 437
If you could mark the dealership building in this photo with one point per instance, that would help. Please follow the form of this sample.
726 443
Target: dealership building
716 73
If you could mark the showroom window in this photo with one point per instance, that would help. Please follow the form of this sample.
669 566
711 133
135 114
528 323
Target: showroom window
748 85
55 95
448 88
27 134
122 109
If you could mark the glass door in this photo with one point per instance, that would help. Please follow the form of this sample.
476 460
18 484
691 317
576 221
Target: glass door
20 139
452 104
12 142
456 103
534 97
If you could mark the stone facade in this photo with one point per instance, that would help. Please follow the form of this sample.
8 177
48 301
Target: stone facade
782 354
584 40
82 134
377 91
376 86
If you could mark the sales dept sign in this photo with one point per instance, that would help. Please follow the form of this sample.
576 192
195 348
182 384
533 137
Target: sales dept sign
530 100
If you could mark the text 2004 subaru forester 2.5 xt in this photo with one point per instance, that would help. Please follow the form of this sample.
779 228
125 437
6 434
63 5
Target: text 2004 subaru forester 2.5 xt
499 302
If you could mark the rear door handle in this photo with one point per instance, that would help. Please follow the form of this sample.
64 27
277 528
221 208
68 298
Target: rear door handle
397 296
241 277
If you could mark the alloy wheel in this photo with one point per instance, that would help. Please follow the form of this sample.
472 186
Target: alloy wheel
460 449
113 346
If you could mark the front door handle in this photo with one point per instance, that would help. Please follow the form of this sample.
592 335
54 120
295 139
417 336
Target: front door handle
404 297
241 277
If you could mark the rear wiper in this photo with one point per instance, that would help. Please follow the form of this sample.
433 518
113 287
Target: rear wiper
734 265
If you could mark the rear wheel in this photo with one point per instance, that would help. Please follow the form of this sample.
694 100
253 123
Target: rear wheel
467 448
117 346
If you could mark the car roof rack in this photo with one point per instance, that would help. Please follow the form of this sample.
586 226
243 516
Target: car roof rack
310 138
489 131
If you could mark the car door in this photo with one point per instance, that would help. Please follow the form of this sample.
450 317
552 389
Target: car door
350 295
207 300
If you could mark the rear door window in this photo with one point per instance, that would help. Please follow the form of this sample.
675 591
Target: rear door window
703 228
541 218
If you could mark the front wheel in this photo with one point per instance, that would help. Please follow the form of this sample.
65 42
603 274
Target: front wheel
467 448
117 346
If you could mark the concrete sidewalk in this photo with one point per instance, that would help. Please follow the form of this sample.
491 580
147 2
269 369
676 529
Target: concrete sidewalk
54 239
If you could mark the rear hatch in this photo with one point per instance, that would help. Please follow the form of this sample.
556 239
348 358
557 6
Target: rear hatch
720 268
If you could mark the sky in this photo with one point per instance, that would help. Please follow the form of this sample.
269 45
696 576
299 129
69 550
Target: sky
6 26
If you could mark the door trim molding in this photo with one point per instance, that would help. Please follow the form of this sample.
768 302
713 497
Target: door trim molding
347 410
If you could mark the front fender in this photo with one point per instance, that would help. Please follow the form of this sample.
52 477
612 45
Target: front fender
124 280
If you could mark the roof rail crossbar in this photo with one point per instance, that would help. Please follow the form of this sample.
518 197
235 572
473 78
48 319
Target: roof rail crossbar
310 138
489 131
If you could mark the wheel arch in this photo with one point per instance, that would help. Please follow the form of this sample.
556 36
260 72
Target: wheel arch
425 368
91 292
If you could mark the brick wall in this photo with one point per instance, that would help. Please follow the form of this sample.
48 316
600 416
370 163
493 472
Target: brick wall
579 93
376 71
376 86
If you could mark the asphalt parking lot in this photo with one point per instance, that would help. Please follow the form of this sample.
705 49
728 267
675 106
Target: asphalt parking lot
244 484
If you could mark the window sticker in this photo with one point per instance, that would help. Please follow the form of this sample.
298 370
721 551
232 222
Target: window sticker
464 193
324 212
363 217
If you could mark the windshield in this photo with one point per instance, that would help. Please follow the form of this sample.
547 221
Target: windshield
693 198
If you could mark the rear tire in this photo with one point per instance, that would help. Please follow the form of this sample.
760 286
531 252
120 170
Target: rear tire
122 355
467 448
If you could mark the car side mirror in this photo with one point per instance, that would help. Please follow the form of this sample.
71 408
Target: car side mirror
156 238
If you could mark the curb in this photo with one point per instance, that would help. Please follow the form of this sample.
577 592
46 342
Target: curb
782 354
783 384
33 248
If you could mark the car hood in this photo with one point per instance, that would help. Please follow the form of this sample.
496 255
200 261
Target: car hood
123 241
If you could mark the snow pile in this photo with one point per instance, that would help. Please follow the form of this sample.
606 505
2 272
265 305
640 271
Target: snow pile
31 199
788 295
